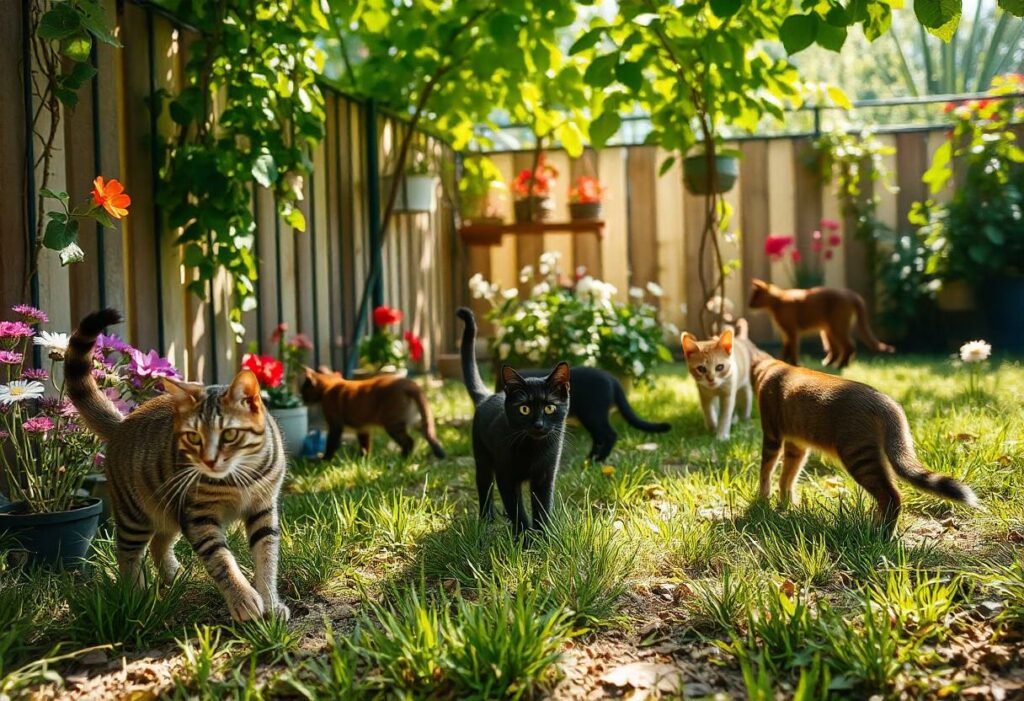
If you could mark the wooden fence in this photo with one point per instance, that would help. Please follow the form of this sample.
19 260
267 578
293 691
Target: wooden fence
311 280
653 225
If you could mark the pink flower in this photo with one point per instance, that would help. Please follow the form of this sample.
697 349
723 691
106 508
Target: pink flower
816 236
816 246
835 240
776 244
795 255
30 313
828 255
98 459
151 365
11 357
38 424
112 343
829 224
301 340
35 374
14 329
279 332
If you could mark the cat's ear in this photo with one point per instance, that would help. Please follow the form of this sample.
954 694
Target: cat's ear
725 341
510 377
245 391
759 284
186 394
689 342
310 374
558 379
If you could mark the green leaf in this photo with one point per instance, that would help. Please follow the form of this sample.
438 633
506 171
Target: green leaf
995 235
194 255
725 8
503 30
95 21
939 172
839 97
601 71
586 40
630 74
296 220
978 252
666 165
102 218
77 46
837 16
798 32
830 37
1014 7
62 196
604 127
571 138
264 170
59 235
79 74
941 17
59 23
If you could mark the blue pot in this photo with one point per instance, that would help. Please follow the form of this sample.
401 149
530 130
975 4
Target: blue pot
55 539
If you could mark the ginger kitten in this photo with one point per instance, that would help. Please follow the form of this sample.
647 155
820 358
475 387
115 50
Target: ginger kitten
828 310
193 460
721 369
866 430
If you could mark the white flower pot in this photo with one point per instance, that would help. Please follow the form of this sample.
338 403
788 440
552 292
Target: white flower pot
294 425
415 193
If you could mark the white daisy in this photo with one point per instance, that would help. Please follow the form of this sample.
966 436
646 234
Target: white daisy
20 390
975 351
636 292
510 293
53 341
655 289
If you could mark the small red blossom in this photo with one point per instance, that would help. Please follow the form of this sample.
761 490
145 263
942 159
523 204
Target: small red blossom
587 190
540 184
269 371
795 255
301 341
828 255
816 246
776 244
279 331
386 316
835 240
830 224
415 346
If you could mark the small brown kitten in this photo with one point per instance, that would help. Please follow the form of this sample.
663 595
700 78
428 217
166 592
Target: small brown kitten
391 402
721 369
829 310
866 430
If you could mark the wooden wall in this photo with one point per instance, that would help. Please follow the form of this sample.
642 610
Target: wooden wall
653 224
310 280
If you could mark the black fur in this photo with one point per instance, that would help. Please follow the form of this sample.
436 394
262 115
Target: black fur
593 393
515 438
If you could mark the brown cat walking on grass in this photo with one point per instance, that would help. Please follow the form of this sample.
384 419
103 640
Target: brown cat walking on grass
388 401
828 310
803 410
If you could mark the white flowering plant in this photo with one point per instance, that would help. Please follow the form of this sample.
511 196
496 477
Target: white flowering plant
975 354
577 321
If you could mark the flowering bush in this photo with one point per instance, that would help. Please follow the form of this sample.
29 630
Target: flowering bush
51 452
540 184
587 190
109 202
806 273
279 376
383 349
578 323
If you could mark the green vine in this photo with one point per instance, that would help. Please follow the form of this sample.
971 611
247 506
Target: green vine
251 111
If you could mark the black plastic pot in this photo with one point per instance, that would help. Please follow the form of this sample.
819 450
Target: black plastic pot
533 209
584 210
697 179
62 538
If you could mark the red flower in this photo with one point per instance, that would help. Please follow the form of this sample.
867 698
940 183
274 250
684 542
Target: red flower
828 255
835 240
586 191
829 224
795 255
948 107
540 184
386 316
301 340
279 332
816 246
269 371
776 244
415 346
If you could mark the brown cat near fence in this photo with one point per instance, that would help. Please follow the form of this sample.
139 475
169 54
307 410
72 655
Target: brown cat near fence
388 401
828 310
867 431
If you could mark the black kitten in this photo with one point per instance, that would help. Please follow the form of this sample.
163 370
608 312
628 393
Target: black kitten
517 434
593 393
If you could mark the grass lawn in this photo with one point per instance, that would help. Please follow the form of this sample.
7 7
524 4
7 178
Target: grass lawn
658 558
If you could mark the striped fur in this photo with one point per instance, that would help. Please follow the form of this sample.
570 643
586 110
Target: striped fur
191 461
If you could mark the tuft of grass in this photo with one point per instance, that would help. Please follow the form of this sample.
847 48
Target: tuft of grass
719 606
801 558
268 638
199 658
923 603
1008 583
113 610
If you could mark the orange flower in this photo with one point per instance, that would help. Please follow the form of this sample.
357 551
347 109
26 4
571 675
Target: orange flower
111 196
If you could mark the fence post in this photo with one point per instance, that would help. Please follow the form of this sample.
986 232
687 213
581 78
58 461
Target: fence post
373 192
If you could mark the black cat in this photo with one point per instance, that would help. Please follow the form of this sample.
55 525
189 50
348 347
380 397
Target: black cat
593 392
517 434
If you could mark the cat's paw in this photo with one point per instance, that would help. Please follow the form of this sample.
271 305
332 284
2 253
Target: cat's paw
722 437
244 604
280 610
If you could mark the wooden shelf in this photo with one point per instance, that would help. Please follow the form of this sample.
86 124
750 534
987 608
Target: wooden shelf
490 234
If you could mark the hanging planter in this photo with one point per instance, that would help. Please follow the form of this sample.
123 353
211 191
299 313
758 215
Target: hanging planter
416 193
585 199
56 538
534 209
698 180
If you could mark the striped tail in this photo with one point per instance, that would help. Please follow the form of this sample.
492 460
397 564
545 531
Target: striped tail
95 408
470 372
429 432
864 329
900 452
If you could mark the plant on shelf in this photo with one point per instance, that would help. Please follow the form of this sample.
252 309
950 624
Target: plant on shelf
384 350
533 191
585 197
806 272
483 194
580 322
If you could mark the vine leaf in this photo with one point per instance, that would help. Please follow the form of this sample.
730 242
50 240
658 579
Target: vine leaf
1014 7
604 128
940 17
264 170
59 23
798 32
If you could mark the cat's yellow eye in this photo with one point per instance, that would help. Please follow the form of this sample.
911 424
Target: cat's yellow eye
229 435
193 438
549 409
524 410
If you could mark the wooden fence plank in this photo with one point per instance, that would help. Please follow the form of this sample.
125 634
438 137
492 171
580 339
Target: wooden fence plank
671 245
528 248
586 250
14 234
808 194
911 161
643 215
615 244
755 218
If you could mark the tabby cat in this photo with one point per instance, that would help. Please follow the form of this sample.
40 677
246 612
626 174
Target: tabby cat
828 310
391 402
193 460
721 369
866 430
517 434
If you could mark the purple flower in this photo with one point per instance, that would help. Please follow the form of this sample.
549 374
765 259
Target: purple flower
30 313
98 459
112 343
119 402
12 331
68 409
50 405
35 374
38 424
4 435
151 365
11 357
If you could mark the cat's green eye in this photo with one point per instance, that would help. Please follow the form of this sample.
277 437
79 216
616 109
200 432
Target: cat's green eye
229 435
524 410
193 438
549 409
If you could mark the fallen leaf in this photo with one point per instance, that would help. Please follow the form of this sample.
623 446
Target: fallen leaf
964 437
649 447
646 675
788 588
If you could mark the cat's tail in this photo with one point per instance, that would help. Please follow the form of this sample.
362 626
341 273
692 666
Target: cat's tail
899 449
742 328
470 373
864 330
427 416
94 407
631 417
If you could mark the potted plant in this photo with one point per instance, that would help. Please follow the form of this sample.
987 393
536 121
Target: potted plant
533 192
699 180
279 381
418 187
585 198
807 272
483 195
46 454
384 351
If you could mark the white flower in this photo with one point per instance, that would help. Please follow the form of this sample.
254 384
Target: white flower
520 346
503 350
534 355
540 289
20 390
477 286
542 342
550 258
581 270
526 273
671 329
655 289
619 330
649 323
577 349
638 368
590 362
975 351
544 268
53 341
642 345
636 292
585 286
510 293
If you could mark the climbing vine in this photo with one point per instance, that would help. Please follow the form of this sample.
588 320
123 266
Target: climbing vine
248 117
